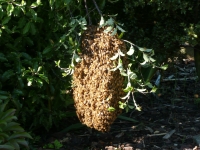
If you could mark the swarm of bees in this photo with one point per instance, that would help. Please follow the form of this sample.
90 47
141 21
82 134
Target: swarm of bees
95 87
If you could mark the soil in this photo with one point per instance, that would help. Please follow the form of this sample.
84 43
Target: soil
169 120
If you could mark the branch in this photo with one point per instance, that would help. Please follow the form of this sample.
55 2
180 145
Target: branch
97 7
90 22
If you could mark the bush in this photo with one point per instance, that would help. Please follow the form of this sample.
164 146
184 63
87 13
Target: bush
12 135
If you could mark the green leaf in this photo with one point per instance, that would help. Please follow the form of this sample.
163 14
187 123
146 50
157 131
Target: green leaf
77 58
121 35
110 22
39 82
144 49
111 109
25 55
153 90
152 60
20 135
119 28
34 5
22 142
3 123
122 105
43 77
132 75
146 58
9 112
164 67
114 32
10 9
32 29
1 12
108 29
26 28
149 85
10 118
3 97
131 107
47 50
4 135
2 106
6 20
12 126
14 143
30 81
6 75
67 1
51 2
6 147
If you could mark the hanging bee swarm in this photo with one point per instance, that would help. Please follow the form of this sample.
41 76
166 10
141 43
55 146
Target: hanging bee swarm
96 88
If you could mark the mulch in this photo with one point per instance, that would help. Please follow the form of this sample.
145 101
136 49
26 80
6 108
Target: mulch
169 120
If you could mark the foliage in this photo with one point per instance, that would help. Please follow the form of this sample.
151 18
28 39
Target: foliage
55 145
12 135
162 25
31 35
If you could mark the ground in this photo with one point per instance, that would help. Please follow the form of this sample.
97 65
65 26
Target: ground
169 120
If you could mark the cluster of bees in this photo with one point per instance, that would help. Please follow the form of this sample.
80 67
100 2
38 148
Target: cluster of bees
96 88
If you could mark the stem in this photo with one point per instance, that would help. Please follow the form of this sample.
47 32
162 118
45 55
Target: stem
130 43
97 7
90 22
136 105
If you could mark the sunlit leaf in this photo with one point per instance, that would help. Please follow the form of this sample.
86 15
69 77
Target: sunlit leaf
149 85
131 51
132 75
153 90
145 56
115 56
114 32
144 63
77 58
110 22
121 54
119 28
141 90
164 67
108 29
10 9
152 60
111 109
126 96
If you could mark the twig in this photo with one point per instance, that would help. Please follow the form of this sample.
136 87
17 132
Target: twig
90 22
151 135
181 79
97 7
